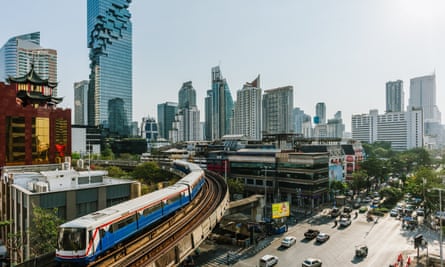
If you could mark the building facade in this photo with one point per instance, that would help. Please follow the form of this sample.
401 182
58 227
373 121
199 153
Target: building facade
32 129
278 104
404 130
395 96
55 186
422 94
109 36
219 104
81 103
186 126
166 116
248 110
320 113
20 52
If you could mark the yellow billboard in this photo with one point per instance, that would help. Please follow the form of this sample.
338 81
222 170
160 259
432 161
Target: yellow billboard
280 210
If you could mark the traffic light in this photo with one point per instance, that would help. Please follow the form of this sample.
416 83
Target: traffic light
418 240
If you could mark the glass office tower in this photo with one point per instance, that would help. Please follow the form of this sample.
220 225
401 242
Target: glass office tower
109 38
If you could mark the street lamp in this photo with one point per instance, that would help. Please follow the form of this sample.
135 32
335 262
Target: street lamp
440 222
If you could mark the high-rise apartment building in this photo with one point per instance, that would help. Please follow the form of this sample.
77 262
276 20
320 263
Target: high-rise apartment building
320 113
395 96
278 104
109 36
422 94
81 103
248 110
219 106
298 119
166 116
404 130
20 52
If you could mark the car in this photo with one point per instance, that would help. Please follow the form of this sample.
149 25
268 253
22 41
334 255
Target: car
347 209
344 222
420 212
356 205
268 260
311 262
394 213
322 237
288 241
311 233
335 212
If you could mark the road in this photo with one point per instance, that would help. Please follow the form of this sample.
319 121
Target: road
385 239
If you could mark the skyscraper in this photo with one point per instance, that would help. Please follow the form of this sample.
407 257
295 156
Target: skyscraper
166 116
81 103
320 112
221 106
20 52
186 126
278 104
109 38
395 96
422 94
248 110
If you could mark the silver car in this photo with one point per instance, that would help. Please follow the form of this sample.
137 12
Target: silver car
288 241
311 262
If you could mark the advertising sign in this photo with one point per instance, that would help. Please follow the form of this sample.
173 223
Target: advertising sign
280 210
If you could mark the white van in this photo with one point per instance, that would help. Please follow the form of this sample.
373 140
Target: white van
268 260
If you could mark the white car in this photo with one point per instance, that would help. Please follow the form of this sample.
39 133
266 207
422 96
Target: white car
311 262
288 241
345 222
322 237
268 260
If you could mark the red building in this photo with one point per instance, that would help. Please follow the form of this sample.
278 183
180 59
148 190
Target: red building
32 129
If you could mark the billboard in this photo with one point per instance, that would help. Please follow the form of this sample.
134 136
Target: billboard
280 210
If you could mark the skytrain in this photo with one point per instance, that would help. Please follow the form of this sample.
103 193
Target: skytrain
84 239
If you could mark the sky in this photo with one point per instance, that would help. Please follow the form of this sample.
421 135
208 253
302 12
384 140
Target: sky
340 52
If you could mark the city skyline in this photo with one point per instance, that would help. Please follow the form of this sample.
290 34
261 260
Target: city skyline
329 52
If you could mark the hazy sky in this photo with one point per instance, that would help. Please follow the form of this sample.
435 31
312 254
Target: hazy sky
341 52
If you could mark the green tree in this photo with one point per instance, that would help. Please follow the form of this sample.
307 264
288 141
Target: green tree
359 180
43 233
116 172
235 186
150 172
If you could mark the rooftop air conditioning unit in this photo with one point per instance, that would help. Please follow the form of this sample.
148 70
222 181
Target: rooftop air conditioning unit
41 187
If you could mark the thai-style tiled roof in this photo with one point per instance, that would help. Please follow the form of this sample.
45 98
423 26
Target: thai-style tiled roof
33 78
37 96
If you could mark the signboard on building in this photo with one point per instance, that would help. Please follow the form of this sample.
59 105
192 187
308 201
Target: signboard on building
280 210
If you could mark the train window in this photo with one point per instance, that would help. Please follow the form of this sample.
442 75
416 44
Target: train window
152 209
121 224
173 199
71 239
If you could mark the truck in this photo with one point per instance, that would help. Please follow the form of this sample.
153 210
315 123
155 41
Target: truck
311 233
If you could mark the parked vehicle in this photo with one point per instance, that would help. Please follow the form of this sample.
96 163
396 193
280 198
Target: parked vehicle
268 260
288 241
311 233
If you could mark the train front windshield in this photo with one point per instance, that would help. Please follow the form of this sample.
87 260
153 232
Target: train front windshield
72 239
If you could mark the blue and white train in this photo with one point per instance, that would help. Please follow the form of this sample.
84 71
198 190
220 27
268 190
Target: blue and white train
84 239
